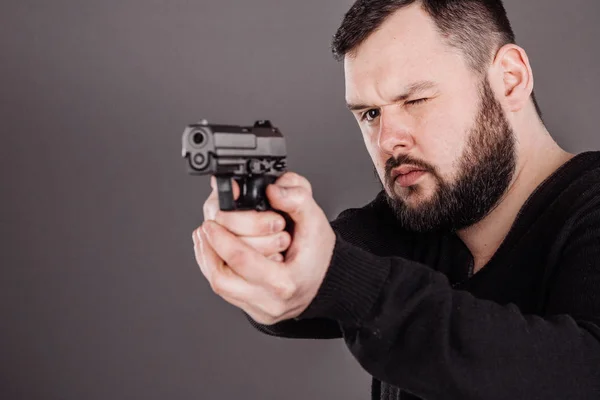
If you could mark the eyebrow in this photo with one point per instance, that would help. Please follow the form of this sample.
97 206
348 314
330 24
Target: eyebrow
411 89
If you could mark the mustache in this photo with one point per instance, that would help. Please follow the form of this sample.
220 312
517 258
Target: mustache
393 163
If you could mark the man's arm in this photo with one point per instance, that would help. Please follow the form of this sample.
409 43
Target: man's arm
315 328
440 343
318 328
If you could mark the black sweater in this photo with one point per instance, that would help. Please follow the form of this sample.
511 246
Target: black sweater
526 326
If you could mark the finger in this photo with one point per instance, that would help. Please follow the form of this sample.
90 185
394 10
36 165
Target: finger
260 303
234 185
251 222
245 261
211 205
223 280
206 258
277 257
263 304
267 245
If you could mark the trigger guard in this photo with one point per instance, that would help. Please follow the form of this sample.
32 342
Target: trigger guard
253 192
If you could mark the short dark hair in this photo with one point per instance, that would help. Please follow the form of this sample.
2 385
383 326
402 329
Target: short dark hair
478 28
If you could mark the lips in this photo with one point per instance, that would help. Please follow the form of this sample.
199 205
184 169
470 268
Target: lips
409 179
403 170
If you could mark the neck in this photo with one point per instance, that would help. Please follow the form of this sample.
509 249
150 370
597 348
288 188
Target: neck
536 160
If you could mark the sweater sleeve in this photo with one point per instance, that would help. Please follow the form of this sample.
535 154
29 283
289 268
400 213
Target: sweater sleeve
314 328
407 326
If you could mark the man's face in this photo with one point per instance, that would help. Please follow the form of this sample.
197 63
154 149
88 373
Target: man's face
458 135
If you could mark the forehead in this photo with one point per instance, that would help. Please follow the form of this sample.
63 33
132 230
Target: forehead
406 48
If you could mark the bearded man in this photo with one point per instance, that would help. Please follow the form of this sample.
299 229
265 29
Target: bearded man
475 271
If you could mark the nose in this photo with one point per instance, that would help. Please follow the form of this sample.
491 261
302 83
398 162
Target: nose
394 133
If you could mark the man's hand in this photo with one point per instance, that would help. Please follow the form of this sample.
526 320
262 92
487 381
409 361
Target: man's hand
261 230
232 250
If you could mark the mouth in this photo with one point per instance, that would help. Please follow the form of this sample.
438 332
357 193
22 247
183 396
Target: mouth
407 175
405 170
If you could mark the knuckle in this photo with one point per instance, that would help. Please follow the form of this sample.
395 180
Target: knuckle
209 210
302 181
309 188
216 284
279 223
276 257
283 241
278 242
277 310
268 224
219 217
300 200
303 196
291 178
284 290
196 235
265 320
287 179
206 224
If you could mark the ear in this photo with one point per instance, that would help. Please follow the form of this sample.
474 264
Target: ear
517 76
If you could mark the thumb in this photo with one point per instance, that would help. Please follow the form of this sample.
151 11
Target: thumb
296 201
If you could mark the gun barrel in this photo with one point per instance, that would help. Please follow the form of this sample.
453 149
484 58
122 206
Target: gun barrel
232 149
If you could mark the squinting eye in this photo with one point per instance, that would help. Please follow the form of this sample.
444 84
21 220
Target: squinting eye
415 102
370 115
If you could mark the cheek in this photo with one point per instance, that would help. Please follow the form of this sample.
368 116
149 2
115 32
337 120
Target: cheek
443 142
370 145
379 159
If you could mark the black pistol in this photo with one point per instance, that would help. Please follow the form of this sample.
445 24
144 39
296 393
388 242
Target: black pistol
255 156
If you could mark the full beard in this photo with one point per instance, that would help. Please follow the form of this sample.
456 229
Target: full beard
486 169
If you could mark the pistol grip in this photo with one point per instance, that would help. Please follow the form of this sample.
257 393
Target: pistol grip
252 192
226 202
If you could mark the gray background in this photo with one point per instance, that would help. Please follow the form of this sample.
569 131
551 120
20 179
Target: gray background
100 295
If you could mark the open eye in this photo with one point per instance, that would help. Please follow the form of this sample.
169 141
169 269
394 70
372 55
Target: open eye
370 115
